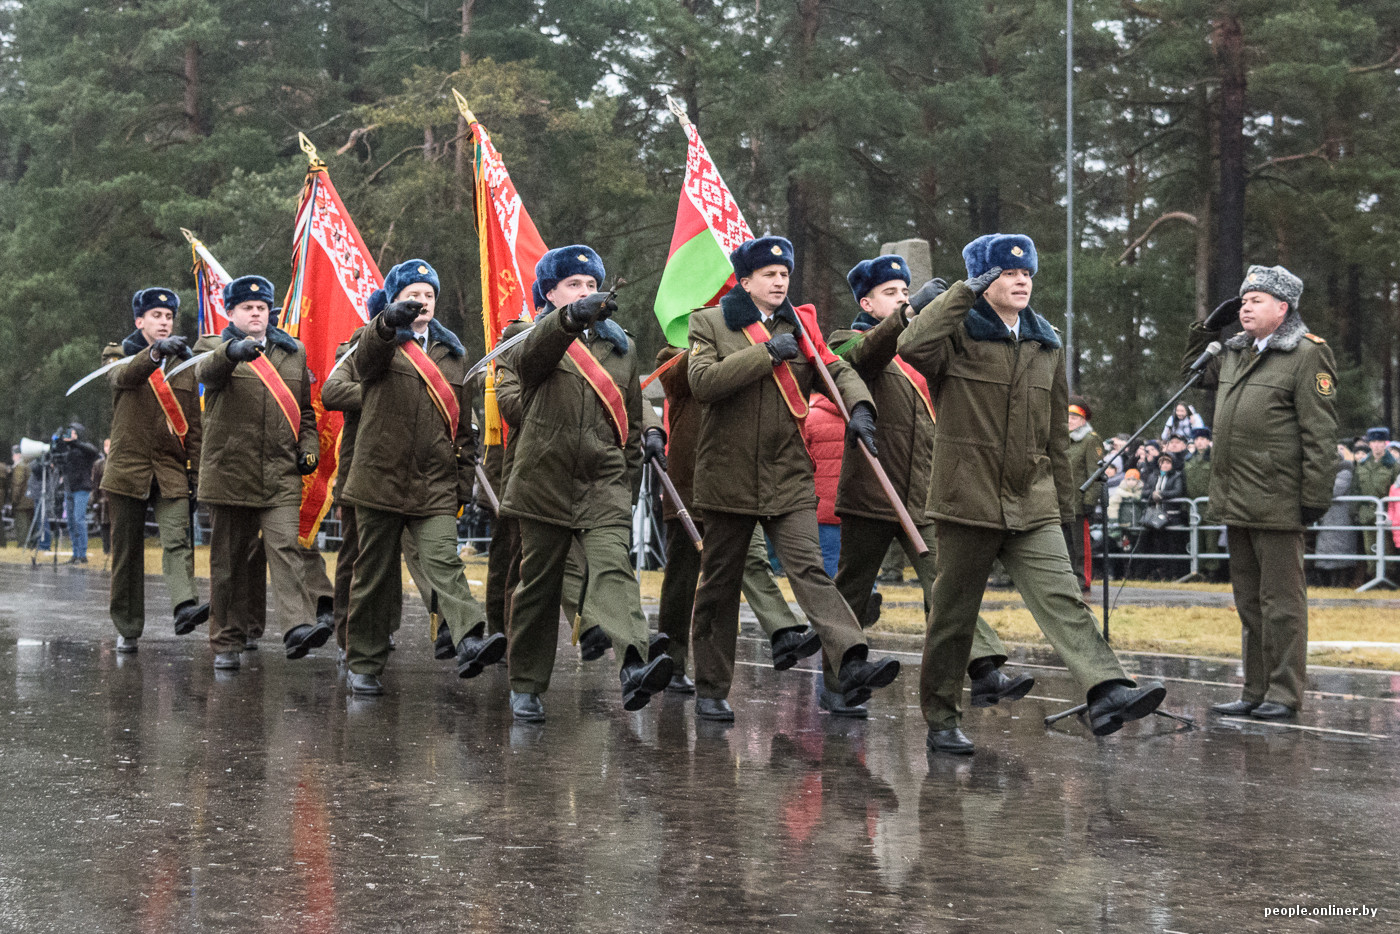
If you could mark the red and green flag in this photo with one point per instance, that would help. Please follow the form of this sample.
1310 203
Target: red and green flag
709 227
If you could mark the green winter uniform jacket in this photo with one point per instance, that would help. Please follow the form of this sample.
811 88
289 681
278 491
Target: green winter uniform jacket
904 433
145 450
1000 457
1275 427
1084 452
750 458
1372 477
249 452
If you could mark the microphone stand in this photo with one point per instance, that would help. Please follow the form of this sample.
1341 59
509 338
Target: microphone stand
1098 475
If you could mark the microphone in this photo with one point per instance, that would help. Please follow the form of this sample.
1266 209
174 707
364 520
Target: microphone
1210 353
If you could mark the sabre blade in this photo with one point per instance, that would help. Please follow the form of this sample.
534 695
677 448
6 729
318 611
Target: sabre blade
348 351
499 349
98 372
187 364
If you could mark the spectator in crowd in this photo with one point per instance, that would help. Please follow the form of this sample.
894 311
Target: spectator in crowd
1176 446
1147 455
825 435
1373 475
99 498
1183 420
1196 471
1124 502
1338 571
20 501
1166 486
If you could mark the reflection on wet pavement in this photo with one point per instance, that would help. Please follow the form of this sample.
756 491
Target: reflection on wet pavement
148 793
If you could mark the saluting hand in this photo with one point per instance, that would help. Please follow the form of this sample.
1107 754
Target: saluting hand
654 447
244 351
861 427
1224 315
927 293
402 314
782 347
580 314
979 285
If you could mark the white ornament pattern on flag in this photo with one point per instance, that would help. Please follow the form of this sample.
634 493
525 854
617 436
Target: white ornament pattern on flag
710 196
329 229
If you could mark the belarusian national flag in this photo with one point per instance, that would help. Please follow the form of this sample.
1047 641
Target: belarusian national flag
333 274
209 281
708 228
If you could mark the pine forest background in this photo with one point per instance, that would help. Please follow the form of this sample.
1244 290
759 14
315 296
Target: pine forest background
1210 134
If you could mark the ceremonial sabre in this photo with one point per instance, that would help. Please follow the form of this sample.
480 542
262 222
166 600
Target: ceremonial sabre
681 511
486 488
187 364
905 522
98 372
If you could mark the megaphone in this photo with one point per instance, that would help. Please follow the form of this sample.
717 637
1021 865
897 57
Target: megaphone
30 449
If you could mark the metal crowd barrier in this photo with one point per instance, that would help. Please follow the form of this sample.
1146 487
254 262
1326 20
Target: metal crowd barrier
1385 552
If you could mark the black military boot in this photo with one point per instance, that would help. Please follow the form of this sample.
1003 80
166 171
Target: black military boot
593 643
443 649
189 616
990 685
477 650
861 677
640 681
714 708
526 708
952 741
657 644
835 705
793 644
1272 711
302 639
365 685
1235 708
1114 703
325 611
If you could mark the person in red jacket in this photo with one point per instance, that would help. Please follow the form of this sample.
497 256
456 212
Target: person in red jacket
825 436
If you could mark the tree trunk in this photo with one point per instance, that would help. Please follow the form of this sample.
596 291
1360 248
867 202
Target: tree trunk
192 122
1227 42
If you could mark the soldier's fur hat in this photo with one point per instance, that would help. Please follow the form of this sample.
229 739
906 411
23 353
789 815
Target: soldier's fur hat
407 273
249 289
1009 251
557 265
765 251
146 299
1275 281
867 274
537 296
1375 434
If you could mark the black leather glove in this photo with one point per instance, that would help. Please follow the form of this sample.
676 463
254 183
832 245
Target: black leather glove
306 464
782 347
1224 315
580 314
172 347
402 314
927 293
654 447
979 285
466 456
1313 514
861 427
244 351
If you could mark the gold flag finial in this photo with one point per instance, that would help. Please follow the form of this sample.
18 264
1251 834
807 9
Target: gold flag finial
189 235
678 110
462 106
309 148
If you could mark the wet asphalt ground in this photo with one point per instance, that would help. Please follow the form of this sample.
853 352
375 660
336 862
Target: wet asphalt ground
148 793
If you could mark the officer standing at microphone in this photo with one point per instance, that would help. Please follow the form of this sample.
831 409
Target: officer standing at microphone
1272 466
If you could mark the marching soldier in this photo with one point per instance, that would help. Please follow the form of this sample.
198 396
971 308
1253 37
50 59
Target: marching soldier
1000 485
1271 476
1085 450
1374 477
790 640
155 447
414 456
576 453
259 441
752 379
905 435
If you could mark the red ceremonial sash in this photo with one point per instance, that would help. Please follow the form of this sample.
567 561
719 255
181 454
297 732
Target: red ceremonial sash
603 385
782 374
439 389
280 393
174 415
920 384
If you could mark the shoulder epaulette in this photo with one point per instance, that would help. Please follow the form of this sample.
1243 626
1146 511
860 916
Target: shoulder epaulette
1314 338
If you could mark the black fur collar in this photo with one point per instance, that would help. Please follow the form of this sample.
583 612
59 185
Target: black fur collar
276 337
864 322
439 334
740 311
1289 333
983 324
607 329
134 343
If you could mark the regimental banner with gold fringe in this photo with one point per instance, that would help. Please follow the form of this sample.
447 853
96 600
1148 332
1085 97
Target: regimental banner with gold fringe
209 281
782 374
602 383
439 389
281 393
174 415
510 247
333 275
